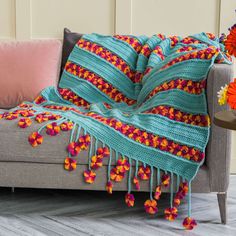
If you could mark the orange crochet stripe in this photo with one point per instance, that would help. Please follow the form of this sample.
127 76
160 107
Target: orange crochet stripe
177 115
190 40
173 40
98 82
109 56
205 54
158 50
146 51
69 95
144 137
188 86
133 42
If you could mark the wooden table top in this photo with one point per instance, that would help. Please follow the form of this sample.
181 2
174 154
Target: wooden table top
225 119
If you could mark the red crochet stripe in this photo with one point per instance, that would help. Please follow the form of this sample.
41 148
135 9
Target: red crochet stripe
146 51
143 137
205 54
177 115
133 42
98 82
109 56
173 40
69 95
158 50
188 86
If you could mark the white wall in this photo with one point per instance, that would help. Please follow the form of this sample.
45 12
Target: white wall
31 19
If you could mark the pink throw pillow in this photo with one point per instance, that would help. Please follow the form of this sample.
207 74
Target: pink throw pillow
26 68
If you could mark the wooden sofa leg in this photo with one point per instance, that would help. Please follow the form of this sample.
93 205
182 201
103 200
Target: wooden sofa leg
222 202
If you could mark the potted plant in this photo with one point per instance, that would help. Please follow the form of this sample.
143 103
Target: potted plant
227 93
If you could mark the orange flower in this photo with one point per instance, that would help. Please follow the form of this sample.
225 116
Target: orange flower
165 180
157 193
129 199
109 186
177 201
103 151
96 162
230 42
89 176
65 126
189 223
24 122
41 118
70 164
136 183
27 113
116 175
73 148
35 139
122 165
144 173
231 94
171 213
151 206
84 142
53 129
11 116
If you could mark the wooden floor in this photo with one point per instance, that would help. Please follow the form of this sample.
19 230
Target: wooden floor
53 212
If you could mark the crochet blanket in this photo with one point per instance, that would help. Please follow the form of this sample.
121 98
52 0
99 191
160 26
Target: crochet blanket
139 100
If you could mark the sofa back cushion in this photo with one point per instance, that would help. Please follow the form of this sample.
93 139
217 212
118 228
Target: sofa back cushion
27 67
69 41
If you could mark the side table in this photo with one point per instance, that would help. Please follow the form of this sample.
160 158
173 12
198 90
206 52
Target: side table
225 119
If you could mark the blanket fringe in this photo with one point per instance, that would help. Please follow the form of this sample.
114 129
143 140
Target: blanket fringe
80 139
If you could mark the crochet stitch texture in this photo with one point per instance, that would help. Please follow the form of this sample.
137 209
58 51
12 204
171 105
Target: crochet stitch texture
139 97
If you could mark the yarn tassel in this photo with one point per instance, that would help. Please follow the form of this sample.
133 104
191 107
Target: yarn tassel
129 197
150 205
189 223
157 193
135 179
70 163
171 213
89 175
109 185
36 138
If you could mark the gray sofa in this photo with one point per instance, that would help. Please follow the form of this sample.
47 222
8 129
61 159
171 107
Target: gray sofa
42 167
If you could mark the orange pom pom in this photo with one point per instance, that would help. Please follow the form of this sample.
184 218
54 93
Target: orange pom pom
129 199
109 187
136 183
70 164
189 223
157 193
89 176
151 206
144 173
171 213
116 175
24 122
35 139
165 180
123 165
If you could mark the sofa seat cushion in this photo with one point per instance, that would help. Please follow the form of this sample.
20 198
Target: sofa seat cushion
14 144
15 147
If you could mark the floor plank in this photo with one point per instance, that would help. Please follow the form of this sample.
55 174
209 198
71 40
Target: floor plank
39 212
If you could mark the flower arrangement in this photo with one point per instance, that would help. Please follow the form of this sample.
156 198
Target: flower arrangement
227 93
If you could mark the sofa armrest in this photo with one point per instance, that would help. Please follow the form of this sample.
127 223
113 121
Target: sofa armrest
219 145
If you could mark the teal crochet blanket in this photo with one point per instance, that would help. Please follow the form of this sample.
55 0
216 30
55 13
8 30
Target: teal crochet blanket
138 100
